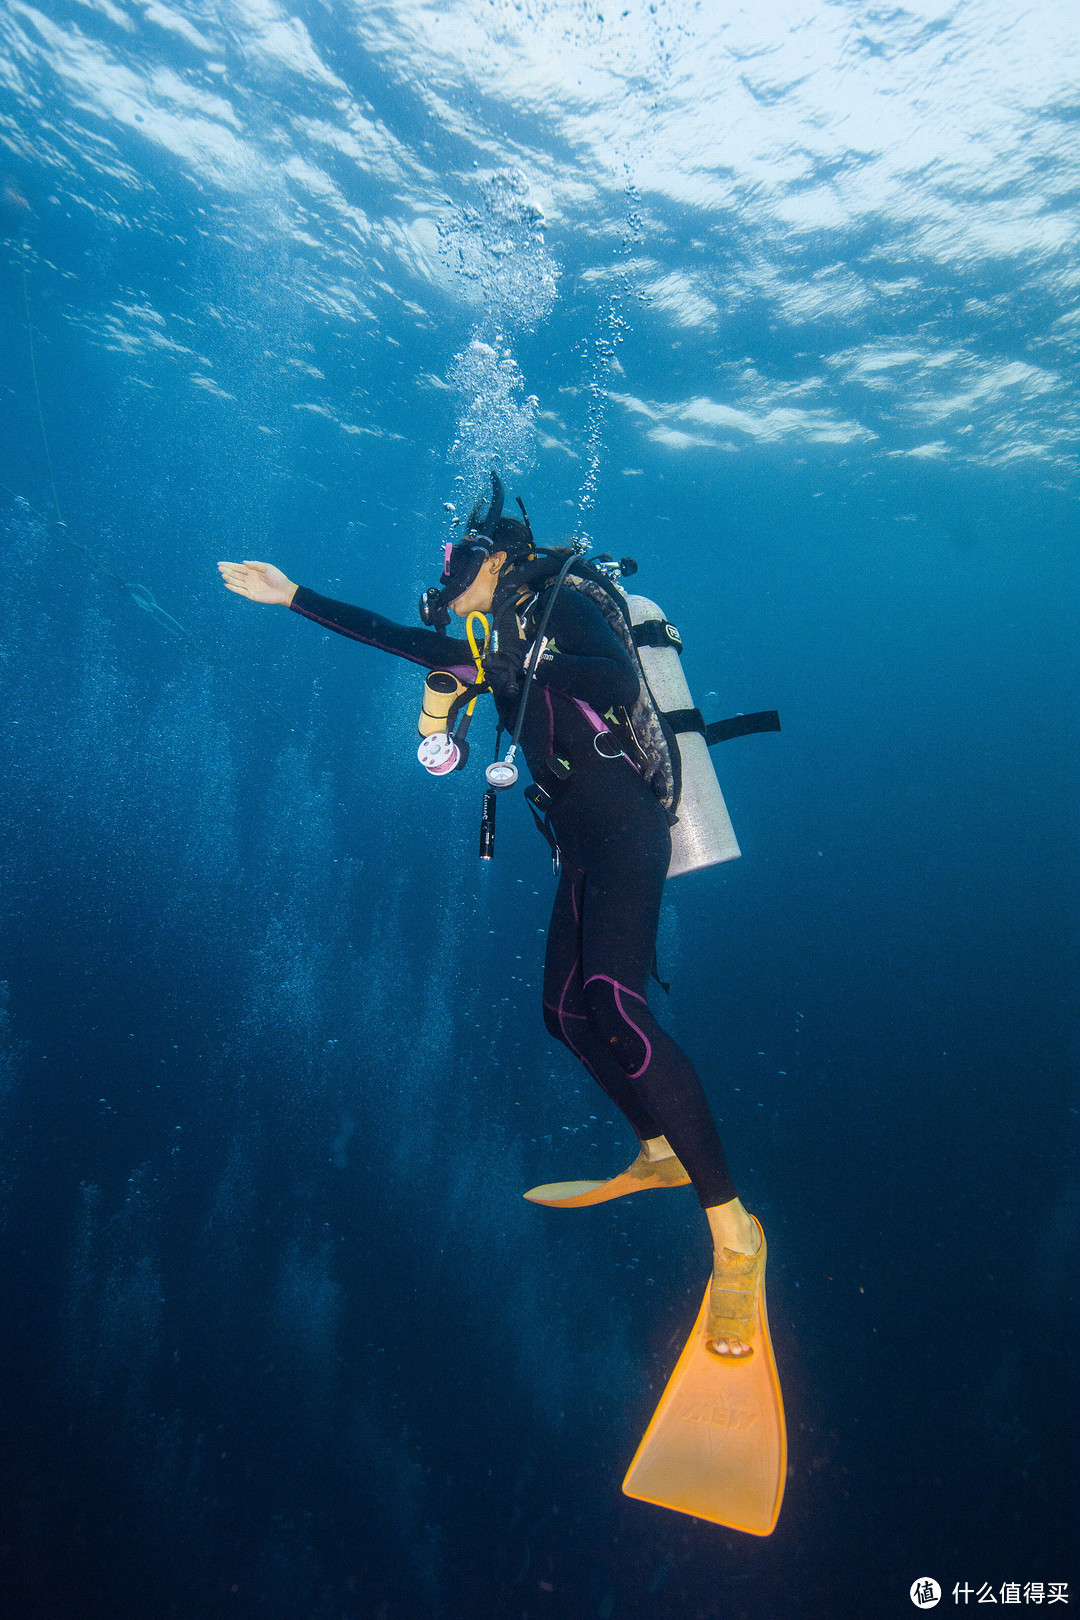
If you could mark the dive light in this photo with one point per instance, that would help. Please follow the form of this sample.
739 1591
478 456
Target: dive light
487 825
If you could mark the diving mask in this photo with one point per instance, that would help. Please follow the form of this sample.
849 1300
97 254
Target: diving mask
461 564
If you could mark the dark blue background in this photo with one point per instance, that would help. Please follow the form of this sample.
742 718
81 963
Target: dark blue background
281 1336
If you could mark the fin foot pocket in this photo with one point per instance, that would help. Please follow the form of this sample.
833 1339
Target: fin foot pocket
733 1291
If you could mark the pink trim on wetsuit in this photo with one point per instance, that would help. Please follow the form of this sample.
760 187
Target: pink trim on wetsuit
464 672
602 729
598 725
562 1015
560 1011
624 1015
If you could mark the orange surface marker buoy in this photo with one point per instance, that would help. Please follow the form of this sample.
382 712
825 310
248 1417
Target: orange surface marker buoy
717 1444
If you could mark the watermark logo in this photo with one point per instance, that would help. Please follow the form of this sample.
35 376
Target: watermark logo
925 1593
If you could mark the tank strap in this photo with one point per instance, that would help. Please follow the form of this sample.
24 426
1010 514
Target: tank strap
657 633
740 725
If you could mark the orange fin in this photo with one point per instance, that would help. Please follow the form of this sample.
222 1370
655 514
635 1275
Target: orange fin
641 1175
717 1445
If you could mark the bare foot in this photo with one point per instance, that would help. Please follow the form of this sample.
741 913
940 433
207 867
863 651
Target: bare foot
735 1235
657 1148
732 1348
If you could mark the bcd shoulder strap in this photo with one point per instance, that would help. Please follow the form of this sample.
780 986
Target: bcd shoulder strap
663 771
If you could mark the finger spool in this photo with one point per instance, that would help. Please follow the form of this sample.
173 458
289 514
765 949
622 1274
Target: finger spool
439 754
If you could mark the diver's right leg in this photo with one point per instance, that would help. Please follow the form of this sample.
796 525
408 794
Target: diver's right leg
613 916
625 849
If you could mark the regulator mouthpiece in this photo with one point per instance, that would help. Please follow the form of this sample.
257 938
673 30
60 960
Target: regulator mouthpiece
433 609
439 754
501 773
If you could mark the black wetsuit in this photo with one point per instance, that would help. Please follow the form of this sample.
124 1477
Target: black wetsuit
615 844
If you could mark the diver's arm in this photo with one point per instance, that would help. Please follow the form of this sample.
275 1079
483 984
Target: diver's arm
262 582
590 662
427 647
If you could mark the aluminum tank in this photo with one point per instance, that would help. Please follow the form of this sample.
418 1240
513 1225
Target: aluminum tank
703 834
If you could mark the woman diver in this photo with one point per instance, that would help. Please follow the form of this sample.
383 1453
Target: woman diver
614 840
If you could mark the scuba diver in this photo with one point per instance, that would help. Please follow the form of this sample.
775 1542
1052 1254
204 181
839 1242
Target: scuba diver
612 837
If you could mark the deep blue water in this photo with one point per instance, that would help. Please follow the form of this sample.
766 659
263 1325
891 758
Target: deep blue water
783 304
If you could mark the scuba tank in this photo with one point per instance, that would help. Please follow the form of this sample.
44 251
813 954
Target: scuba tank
669 730
703 834
665 734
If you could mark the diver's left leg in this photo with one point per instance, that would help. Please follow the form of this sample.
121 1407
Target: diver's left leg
566 1015
662 1077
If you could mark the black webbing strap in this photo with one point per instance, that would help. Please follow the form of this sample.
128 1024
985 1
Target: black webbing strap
539 801
685 720
657 633
740 725
461 702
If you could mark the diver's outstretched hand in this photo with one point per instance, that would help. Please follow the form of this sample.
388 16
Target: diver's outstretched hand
258 581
